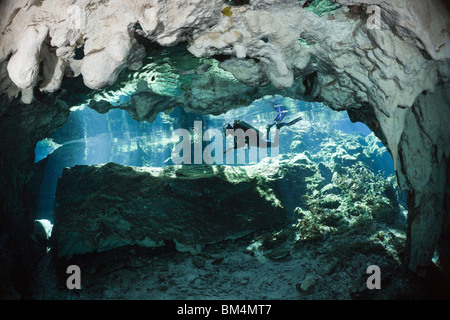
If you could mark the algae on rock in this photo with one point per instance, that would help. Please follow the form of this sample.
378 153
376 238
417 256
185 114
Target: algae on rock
103 207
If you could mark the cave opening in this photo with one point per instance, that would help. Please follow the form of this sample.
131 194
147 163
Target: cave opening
91 138
95 191
333 177
320 208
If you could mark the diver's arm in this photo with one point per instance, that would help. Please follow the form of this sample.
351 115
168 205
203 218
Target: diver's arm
233 147
236 146
229 149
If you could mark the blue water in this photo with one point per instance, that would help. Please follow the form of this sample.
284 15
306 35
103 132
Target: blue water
90 138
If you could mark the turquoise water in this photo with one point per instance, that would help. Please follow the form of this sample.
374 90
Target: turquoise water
93 138
90 138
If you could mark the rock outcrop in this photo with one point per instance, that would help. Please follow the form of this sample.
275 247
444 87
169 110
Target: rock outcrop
191 206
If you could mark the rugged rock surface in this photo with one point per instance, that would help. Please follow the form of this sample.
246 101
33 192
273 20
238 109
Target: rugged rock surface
192 206
345 221
18 249
395 79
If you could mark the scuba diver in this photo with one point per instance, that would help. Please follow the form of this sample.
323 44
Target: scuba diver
262 140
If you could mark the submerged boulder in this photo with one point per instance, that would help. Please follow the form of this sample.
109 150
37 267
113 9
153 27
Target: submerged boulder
103 207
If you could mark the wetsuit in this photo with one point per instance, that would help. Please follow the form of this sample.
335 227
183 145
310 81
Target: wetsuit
239 124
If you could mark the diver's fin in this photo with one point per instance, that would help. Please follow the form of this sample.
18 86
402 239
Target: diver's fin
294 121
282 124
281 113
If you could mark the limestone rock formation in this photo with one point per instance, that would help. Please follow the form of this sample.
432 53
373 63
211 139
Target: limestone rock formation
394 78
99 208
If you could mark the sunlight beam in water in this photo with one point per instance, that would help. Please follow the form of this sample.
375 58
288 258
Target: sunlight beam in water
90 138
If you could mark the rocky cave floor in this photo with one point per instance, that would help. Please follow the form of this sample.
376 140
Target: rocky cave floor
349 217
259 266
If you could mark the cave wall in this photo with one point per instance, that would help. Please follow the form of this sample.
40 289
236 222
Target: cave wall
20 249
423 142
394 78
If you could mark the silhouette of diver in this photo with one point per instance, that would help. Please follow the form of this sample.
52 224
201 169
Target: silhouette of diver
262 140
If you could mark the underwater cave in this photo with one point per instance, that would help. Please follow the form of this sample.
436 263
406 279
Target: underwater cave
243 150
